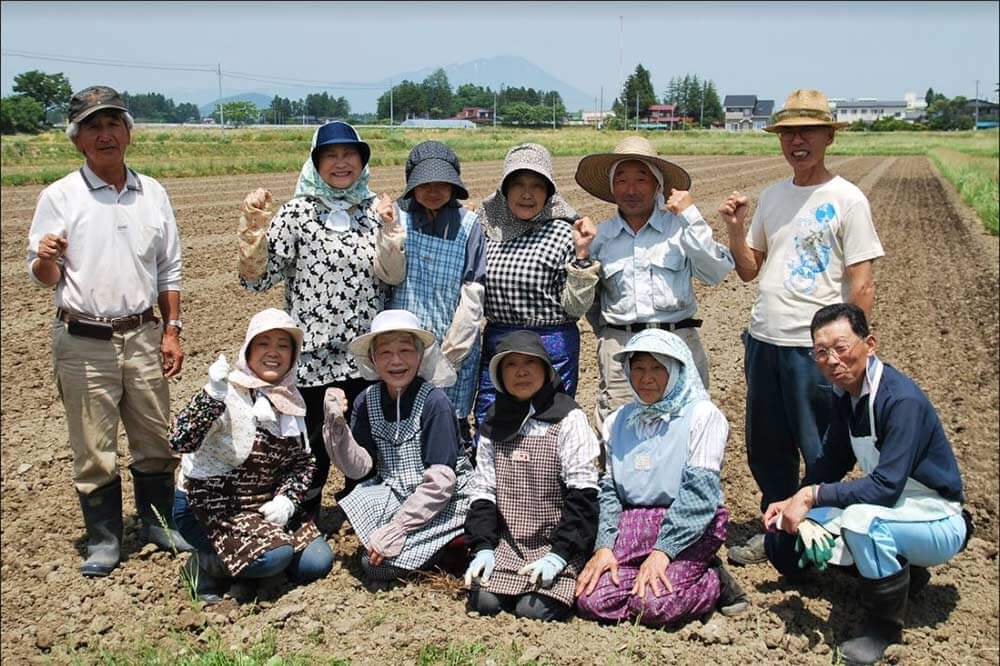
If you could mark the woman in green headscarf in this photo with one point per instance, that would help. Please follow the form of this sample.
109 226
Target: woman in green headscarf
323 245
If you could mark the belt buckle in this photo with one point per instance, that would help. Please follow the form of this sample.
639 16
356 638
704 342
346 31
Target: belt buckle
125 323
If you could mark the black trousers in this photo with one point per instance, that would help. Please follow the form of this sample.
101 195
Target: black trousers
313 396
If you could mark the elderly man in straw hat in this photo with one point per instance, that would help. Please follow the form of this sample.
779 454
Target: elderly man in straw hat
812 242
648 256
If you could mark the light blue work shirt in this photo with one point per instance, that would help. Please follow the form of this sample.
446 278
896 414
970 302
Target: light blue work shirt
646 275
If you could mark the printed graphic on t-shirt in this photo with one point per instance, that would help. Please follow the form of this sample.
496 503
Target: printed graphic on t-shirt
810 255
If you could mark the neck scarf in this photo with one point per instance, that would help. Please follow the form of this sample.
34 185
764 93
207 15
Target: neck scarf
550 403
684 386
337 201
502 225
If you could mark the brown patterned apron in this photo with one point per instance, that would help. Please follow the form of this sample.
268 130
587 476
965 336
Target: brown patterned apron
530 496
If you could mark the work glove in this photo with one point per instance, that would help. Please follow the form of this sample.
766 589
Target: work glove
481 567
278 511
814 544
546 568
218 383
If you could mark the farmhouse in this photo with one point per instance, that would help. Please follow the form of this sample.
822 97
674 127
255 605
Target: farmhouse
868 110
476 114
745 113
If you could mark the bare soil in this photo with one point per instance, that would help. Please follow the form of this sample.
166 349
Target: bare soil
936 319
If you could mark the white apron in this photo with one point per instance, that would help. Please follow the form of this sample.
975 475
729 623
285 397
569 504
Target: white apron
917 503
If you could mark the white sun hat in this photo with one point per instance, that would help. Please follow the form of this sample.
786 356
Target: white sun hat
434 367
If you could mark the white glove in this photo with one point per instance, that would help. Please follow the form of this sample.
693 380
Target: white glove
546 568
278 511
481 567
218 384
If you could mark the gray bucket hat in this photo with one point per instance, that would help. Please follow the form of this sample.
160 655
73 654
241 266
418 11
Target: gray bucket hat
434 162
528 157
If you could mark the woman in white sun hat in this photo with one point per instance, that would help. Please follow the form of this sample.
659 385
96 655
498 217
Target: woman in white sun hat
404 434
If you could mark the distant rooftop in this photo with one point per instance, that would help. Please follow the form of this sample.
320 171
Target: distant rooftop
438 124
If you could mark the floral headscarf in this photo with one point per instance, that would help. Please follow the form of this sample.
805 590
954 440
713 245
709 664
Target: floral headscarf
311 184
683 388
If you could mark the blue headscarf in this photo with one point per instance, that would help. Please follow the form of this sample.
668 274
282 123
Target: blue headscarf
311 184
683 388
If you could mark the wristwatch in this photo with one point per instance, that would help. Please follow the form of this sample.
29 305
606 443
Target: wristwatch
586 262
176 323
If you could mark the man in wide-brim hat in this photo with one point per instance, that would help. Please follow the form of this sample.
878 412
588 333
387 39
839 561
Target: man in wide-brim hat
812 243
649 252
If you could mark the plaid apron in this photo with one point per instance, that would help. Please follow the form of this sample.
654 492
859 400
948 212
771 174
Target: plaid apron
431 291
399 470
530 497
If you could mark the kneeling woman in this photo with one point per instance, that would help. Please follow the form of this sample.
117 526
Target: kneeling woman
534 493
661 517
247 466
404 429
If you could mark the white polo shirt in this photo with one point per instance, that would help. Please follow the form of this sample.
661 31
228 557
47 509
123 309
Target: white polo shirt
122 247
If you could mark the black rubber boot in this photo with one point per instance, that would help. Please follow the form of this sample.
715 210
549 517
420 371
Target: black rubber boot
156 491
885 600
102 514
732 599
206 572
919 578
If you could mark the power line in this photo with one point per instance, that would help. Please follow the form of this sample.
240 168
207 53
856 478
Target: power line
109 63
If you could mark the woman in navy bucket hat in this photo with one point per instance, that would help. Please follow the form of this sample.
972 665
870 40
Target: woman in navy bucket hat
443 282
323 245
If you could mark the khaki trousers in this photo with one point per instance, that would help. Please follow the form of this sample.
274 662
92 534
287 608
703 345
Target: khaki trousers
102 381
613 389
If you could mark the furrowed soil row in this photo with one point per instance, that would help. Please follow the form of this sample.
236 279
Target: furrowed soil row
935 315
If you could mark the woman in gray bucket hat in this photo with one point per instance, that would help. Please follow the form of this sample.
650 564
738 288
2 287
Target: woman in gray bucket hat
532 237
443 283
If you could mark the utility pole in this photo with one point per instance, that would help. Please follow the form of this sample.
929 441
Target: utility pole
636 110
621 30
976 125
494 109
701 114
600 116
553 110
222 113
391 114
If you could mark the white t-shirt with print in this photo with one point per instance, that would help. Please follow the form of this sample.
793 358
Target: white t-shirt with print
810 235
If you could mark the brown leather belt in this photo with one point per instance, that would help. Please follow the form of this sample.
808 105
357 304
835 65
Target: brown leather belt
666 326
118 324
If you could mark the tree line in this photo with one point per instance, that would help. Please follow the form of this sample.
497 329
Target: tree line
695 100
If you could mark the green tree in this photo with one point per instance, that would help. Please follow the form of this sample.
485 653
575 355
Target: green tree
408 101
238 113
637 85
20 113
437 92
186 112
713 106
469 94
52 91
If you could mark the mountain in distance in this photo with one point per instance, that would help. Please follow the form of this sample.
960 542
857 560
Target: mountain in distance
508 71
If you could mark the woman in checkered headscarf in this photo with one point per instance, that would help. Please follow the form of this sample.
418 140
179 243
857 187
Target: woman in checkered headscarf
538 277
534 509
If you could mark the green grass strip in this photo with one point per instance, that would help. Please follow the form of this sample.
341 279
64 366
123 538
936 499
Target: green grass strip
975 178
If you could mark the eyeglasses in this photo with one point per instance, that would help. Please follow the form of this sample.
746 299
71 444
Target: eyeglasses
806 132
839 351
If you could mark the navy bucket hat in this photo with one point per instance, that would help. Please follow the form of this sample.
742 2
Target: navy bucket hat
340 132
434 162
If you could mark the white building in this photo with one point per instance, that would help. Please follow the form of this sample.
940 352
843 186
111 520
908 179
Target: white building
869 109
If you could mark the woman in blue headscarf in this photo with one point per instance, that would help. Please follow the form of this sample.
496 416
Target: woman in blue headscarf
322 244
661 513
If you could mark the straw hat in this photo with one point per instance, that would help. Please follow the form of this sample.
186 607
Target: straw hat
804 107
593 175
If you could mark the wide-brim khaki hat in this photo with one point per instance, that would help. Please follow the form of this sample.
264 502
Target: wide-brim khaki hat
592 174
805 108
390 321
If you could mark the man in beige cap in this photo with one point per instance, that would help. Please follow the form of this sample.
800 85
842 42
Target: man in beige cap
648 256
812 242
104 237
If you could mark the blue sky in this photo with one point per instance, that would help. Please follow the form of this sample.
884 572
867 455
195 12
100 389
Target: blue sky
850 50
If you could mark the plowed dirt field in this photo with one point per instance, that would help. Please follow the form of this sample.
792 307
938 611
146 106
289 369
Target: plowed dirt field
936 318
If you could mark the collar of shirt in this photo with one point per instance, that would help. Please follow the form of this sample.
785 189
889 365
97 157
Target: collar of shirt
95 182
865 385
657 220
